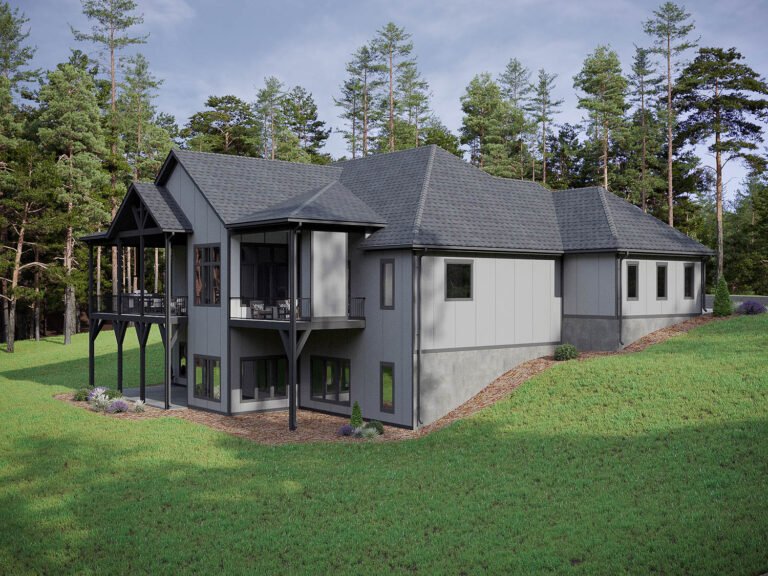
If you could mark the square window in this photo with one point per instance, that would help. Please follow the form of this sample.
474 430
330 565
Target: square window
458 280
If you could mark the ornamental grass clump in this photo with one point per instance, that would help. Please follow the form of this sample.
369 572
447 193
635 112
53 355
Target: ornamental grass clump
376 425
100 402
751 308
566 352
138 406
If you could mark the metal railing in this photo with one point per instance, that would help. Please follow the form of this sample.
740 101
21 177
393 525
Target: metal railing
241 308
131 304
356 308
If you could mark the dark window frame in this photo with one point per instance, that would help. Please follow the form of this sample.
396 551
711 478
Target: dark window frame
636 265
276 358
208 361
341 363
463 262
665 267
206 292
382 366
382 285
692 267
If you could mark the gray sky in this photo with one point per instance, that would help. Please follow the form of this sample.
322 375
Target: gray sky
216 47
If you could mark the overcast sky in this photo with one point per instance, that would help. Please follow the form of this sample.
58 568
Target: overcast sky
216 47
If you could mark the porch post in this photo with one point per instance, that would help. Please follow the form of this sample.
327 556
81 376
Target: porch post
168 329
91 336
292 400
118 325
144 328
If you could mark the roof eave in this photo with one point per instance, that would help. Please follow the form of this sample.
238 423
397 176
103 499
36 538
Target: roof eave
294 220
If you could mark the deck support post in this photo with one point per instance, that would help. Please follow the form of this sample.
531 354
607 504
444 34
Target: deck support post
292 388
142 332
119 327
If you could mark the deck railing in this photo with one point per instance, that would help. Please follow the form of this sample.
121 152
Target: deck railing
131 304
242 308
356 308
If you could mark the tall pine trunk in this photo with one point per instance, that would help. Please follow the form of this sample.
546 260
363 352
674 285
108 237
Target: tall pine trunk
544 151
70 314
36 305
391 104
605 156
670 209
11 337
718 188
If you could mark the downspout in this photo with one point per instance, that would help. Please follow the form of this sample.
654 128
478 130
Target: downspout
703 285
417 335
620 297
228 314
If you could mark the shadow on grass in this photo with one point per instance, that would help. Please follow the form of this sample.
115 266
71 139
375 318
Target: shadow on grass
74 373
475 498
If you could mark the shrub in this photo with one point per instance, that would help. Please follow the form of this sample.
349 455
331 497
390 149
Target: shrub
722 306
98 391
566 352
82 394
100 402
346 430
367 433
376 425
751 307
116 406
356 421
138 406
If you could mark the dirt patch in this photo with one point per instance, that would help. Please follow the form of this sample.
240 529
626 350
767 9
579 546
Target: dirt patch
272 427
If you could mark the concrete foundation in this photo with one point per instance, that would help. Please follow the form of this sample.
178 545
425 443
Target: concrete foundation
602 334
450 378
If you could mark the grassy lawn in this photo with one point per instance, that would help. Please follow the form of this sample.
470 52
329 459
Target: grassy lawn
655 462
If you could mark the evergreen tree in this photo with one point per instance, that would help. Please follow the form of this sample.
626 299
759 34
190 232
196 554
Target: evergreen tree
392 46
543 107
484 115
112 20
412 103
70 128
604 89
228 127
565 155
434 132
516 87
515 83
300 112
724 100
670 28
351 105
15 54
365 78
269 115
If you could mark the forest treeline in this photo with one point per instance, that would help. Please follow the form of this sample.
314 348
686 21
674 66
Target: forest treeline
73 138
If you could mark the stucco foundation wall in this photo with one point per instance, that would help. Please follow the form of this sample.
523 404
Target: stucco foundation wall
601 334
448 379
635 328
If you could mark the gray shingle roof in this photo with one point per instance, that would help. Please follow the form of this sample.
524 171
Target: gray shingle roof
163 207
330 203
428 198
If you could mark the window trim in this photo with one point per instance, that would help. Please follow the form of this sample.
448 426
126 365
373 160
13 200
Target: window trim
340 362
466 262
692 267
255 358
202 266
636 265
664 265
382 263
383 365
206 358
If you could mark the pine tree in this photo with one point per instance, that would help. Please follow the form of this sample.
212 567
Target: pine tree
603 88
515 85
351 105
228 127
721 97
435 132
392 46
412 103
484 115
542 106
300 112
269 114
670 28
70 128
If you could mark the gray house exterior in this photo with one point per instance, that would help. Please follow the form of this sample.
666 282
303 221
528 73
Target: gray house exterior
405 281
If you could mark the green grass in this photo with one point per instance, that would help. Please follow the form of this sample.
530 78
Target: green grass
655 462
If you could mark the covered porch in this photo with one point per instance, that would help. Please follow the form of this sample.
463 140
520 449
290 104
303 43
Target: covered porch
148 220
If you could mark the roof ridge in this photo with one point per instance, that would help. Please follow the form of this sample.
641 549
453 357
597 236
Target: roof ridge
423 194
312 198
255 158
608 216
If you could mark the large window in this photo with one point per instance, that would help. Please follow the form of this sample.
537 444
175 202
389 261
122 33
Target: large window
458 280
263 378
208 378
632 276
661 281
387 284
688 281
329 380
387 387
207 275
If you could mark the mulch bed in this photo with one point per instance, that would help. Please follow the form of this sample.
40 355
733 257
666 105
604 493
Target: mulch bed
272 427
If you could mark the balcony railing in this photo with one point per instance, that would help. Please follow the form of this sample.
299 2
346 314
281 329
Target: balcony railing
253 309
131 304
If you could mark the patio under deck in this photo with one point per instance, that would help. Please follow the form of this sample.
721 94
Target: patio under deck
155 396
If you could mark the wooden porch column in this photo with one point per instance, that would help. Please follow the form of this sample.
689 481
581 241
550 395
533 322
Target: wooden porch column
292 400
91 336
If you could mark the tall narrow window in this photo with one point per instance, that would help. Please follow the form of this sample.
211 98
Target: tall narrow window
458 280
330 380
207 275
387 387
632 291
387 284
263 378
208 378
661 281
688 281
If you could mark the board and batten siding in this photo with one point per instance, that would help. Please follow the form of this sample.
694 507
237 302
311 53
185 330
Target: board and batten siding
589 285
207 332
675 303
513 303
